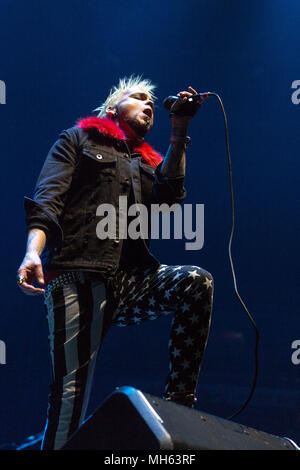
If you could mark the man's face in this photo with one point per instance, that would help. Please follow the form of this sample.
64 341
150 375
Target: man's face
136 109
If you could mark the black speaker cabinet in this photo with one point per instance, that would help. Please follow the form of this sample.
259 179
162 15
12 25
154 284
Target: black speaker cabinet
131 420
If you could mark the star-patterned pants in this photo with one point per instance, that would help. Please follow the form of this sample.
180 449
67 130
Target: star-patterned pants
80 312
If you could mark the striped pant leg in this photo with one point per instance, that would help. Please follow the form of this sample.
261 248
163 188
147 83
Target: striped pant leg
187 293
76 320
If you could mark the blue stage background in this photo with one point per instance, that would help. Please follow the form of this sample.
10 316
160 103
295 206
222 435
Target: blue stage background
58 61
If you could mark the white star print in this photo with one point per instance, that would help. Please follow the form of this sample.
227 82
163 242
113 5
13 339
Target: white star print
193 274
179 329
208 282
152 301
194 318
189 341
165 312
178 267
185 364
136 320
163 268
150 313
181 387
176 352
136 310
167 294
121 319
177 276
174 375
198 295
185 307
161 285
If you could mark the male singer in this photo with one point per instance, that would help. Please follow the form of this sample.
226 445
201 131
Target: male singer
91 281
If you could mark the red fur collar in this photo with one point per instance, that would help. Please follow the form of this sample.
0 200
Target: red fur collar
109 128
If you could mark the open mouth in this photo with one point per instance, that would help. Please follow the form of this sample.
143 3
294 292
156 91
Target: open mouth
148 112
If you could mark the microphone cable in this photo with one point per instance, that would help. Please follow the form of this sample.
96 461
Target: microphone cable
231 261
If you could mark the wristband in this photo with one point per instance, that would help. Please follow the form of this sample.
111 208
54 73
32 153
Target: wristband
177 138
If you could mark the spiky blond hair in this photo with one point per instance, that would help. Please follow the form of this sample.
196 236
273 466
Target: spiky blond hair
124 85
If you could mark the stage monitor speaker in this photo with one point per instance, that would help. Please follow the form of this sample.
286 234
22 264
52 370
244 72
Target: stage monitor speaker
131 420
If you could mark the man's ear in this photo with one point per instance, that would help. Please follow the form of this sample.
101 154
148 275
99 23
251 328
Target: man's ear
111 112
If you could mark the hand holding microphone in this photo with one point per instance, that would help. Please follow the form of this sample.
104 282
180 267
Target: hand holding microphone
186 103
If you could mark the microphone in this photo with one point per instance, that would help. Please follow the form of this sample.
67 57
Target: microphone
197 99
194 99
